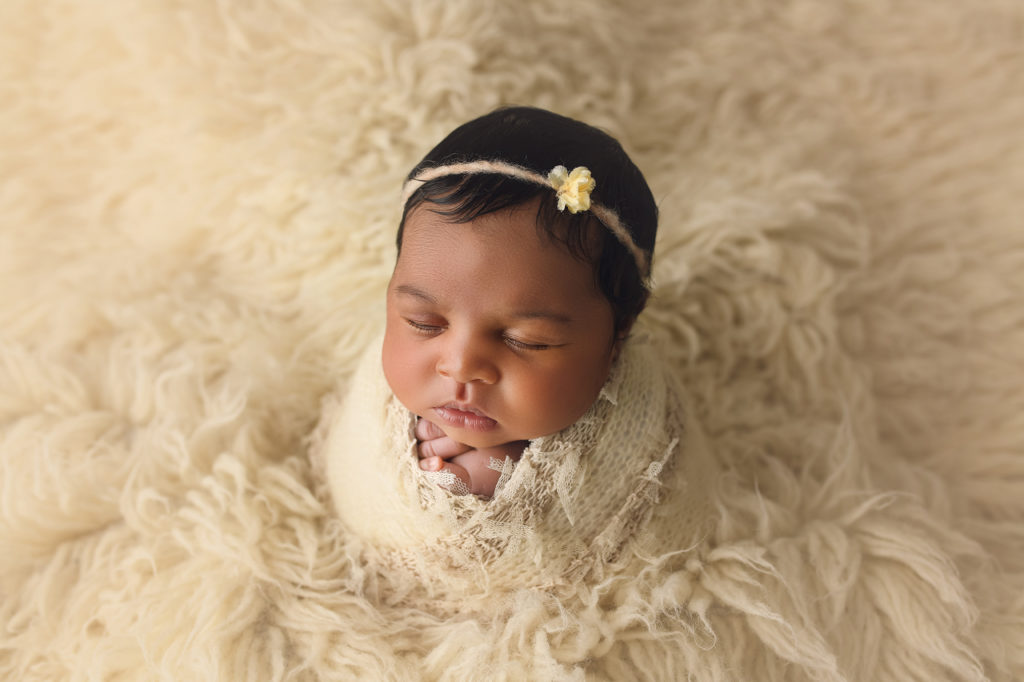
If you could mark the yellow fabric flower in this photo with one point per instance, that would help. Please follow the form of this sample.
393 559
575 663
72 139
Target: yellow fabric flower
573 188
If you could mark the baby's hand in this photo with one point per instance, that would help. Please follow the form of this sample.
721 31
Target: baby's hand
433 446
471 466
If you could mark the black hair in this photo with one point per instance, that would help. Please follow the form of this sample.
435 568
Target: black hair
539 140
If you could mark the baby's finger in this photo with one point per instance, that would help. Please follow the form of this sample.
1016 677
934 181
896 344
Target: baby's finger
431 463
444 448
427 430
460 485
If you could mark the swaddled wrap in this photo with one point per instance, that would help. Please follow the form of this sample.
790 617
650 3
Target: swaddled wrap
620 477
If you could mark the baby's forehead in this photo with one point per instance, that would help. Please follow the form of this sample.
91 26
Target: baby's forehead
502 253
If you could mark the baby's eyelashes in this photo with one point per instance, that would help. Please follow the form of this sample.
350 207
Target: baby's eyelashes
424 328
523 345
511 341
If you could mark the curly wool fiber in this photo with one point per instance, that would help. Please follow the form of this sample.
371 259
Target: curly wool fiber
198 208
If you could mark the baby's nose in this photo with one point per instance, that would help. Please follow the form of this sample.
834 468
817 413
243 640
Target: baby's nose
466 361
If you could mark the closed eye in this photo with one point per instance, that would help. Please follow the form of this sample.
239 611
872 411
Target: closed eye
512 342
523 345
422 328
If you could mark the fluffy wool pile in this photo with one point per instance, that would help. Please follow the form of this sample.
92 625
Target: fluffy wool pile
197 209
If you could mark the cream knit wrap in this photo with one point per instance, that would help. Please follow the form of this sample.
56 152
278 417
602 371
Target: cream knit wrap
621 477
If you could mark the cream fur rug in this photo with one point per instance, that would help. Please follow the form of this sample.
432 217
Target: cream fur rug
197 208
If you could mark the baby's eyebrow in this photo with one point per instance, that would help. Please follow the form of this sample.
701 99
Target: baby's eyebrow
543 315
410 290
531 314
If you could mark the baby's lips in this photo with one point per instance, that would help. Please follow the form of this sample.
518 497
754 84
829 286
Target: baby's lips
458 418
463 407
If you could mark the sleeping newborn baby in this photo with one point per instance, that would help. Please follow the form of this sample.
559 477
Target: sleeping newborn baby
523 254
517 281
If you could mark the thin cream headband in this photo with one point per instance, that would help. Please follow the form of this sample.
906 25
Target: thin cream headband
573 192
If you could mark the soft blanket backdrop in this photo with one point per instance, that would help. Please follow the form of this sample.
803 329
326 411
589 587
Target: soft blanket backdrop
197 208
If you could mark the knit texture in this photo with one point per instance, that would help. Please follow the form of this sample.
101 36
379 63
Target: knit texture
576 503
198 205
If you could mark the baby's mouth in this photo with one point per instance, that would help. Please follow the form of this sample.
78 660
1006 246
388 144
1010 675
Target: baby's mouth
465 417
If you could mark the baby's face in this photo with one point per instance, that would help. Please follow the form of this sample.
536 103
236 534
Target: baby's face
494 333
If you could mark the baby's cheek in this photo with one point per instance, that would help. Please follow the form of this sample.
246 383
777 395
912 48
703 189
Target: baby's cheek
400 371
389 362
559 404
